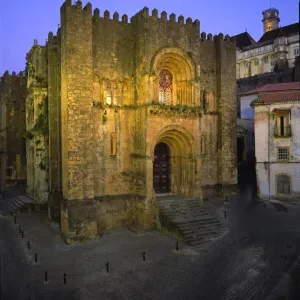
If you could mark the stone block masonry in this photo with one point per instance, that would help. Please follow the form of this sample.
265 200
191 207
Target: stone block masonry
115 90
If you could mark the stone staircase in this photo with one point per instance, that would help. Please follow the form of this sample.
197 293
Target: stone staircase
188 219
19 203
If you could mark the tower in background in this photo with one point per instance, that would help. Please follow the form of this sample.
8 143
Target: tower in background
270 19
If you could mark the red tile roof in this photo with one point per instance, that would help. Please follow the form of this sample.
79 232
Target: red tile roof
280 96
275 87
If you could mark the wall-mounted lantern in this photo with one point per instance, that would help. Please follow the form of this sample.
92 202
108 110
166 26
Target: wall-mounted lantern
266 165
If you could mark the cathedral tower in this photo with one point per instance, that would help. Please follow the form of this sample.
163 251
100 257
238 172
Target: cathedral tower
270 19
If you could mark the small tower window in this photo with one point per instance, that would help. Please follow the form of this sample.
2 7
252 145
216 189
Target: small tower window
212 101
165 87
108 93
269 27
113 144
204 101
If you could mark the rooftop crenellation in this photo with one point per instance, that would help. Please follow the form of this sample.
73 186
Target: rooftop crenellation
145 13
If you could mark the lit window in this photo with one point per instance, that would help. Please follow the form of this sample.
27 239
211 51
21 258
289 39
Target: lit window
296 51
283 184
108 93
269 27
113 144
165 87
283 153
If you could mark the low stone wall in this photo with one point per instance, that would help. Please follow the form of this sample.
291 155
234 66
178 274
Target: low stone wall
87 219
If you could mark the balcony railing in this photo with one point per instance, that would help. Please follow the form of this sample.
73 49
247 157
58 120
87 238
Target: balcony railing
282 131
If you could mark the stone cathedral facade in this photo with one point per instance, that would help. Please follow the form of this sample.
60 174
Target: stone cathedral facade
118 112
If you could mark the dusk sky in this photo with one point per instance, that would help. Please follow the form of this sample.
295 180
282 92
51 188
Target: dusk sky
24 21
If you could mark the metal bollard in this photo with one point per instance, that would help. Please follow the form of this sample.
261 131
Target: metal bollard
28 245
65 278
177 246
35 258
225 214
46 276
107 267
22 234
20 229
144 256
226 199
15 220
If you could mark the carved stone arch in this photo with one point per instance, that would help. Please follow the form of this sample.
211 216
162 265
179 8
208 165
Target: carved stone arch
182 135
182 165
181 69
178 55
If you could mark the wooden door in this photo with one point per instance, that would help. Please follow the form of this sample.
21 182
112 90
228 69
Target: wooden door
161 180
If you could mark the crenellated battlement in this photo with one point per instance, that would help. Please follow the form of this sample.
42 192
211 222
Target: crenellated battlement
220 37
142 14
52 39
6 74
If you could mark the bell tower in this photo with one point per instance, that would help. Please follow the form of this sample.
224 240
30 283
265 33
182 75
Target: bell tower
270 19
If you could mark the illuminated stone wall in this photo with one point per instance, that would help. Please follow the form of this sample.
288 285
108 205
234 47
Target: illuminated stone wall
12 128
103 81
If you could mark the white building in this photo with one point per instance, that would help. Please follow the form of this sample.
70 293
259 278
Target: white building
277 140
276 49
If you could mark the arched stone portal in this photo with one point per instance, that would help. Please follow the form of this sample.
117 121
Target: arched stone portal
173 82
174 162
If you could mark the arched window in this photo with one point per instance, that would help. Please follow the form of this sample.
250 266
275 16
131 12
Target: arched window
115 94
283 184
212 101
108 93
113 144
269 27
165 87
204 100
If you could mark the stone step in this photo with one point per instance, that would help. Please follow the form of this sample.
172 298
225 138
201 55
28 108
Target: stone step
180 208
186 214
208 237
186 226
179 202
18 202
186 208
191 218
25 199
201 235
196 230
13 204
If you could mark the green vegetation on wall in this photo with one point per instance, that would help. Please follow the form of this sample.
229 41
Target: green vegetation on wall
41 125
